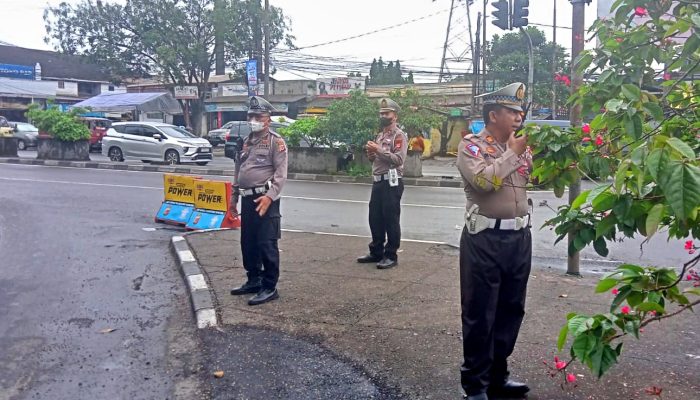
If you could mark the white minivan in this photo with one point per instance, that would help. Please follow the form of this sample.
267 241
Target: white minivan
155 141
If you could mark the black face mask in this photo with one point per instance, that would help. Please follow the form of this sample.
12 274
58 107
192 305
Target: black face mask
384 122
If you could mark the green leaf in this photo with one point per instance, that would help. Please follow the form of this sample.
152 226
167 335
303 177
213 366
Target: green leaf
650 306
562 337
632 92
580 200
606 284
656 162
601 247
559 191
620 298
680 183
583 61
602 359
603 202
681 147
577 323
613 105
620 175
583 345
605 225
635 298
654 219
654 110
636 270
592 194
695 291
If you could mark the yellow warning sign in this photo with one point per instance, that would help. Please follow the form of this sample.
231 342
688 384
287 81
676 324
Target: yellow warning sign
179 188
211 195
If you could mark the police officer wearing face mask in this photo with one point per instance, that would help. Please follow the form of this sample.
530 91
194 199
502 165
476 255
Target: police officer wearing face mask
387 154
259 177
496 245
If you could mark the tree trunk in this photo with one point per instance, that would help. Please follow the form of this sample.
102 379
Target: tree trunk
197 110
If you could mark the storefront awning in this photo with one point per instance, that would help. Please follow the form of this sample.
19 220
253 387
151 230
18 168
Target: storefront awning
127 102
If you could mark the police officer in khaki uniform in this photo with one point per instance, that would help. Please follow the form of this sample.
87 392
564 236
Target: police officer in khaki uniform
259 177
496 245
387 154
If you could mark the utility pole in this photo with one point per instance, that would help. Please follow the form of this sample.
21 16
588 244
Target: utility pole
483 47
443 64
530 72
476 70
218 38
266 27
554 62
577 33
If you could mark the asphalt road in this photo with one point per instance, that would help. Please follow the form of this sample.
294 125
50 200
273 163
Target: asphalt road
90 298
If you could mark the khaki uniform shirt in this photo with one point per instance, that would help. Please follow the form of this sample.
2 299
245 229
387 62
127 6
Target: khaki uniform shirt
393 145
494 176
263 158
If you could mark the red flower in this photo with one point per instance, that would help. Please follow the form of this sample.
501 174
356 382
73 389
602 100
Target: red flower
625 309
599 140
689 277
615 291
560 364
652 313
619 40
571 378
667 76
691 251
688 244
556 359
586 139
586 129
640 11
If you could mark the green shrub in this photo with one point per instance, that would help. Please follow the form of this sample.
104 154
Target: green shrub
64 126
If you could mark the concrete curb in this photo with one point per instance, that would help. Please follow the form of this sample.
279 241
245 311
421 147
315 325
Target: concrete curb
184 169
201 295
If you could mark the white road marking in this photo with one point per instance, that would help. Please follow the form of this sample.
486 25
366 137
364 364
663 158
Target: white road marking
359 236
177 238
367 202
80 183
196 282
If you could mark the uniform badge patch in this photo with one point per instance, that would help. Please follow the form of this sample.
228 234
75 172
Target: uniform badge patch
398 143
473 150
490 150
281 147
489 139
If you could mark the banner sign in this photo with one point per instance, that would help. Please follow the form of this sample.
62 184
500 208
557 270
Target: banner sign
338 87
211 195
186 92
178 201
16 71
251 68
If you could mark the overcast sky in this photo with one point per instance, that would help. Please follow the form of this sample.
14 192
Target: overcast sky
418 44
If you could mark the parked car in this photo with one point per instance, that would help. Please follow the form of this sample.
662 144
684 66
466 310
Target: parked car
26 135
155 141
238 132
218 136
98 128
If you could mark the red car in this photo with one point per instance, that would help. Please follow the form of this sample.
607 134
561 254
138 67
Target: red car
98 128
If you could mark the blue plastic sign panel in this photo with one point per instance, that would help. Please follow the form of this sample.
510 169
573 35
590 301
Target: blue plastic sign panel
205 219
16 71
173 212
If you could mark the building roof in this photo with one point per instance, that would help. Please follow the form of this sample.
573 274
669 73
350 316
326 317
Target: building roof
126 102
53 64
27 88
278 98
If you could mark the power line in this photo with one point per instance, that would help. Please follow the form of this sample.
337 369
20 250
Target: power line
376 30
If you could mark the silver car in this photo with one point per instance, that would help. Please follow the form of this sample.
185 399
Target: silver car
154 141
26 135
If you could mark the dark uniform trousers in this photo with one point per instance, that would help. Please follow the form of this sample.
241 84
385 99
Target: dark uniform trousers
385 219
259 235
494 269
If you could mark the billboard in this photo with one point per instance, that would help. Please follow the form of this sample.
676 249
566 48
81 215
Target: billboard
251 69
186 92
16 71
338 87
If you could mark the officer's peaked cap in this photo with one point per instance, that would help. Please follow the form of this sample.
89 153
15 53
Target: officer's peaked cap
258 105
511 96
386 104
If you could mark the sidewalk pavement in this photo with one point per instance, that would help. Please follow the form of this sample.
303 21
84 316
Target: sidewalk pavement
402 325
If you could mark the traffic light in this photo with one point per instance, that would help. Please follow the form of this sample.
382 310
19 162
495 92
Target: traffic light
520 13
501 14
